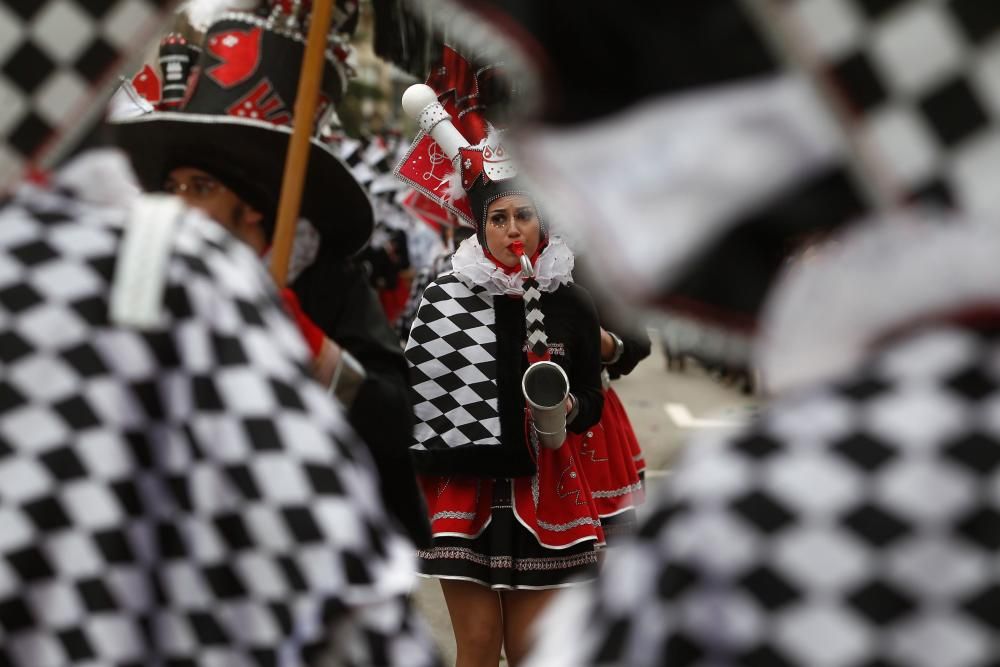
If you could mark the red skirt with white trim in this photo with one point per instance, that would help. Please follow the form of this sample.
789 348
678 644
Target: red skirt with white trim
531 532
608 461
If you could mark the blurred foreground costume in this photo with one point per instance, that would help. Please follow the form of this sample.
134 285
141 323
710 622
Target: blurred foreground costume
855 522
176 490
233 121
179 492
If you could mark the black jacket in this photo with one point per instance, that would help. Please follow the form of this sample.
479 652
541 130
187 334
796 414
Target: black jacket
574 340
334 292
636 348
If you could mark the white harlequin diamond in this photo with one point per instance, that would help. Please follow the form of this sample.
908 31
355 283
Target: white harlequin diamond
125 20
229 41
13 107
833 26
813 482
711 475
987 75
970 175
43 378
921 417
732 609
820 558
812 419
12 32
11 164
933 354
909 150
939 639
917 48
22 480
959 568
62 30
721 542
824 636
924 490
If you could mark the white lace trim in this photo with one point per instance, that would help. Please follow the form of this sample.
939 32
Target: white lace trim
832 305
554 267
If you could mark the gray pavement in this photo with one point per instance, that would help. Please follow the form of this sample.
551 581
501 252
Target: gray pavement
665 408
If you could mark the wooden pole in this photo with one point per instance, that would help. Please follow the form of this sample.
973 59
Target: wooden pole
294 177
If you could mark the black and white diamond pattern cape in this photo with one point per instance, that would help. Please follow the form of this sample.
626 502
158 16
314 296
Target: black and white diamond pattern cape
452 352
55 56
182 495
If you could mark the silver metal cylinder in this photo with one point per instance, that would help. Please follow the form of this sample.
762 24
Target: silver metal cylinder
545 388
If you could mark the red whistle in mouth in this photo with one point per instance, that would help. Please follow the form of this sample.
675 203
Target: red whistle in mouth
517 247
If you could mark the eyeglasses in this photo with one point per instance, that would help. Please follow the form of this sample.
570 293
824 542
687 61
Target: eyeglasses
197 187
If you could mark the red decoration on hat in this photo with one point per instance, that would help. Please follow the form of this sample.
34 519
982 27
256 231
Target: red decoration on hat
429 169
471 163
470 120
239 51
147 84
262 103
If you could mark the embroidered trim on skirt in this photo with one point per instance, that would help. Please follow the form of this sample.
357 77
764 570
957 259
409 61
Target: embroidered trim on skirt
501 553
608 462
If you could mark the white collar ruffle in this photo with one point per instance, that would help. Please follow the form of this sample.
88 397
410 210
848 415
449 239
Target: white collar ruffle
553 268
827 312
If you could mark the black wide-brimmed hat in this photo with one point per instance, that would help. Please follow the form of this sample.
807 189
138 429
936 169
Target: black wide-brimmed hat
236 123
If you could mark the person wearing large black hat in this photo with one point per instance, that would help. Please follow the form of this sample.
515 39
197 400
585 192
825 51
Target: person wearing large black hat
175 488
222 149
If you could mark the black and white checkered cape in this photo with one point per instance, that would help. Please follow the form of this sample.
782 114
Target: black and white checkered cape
921 80
55 55
183 495
452 357
854 524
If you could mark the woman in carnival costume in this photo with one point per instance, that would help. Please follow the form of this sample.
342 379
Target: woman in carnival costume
511 518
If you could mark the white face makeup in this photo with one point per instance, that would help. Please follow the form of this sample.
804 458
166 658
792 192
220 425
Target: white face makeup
509 219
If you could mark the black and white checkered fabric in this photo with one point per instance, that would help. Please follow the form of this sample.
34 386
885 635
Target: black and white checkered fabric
183 495
854 524
452 353
922 78
55 55
538 341
371 160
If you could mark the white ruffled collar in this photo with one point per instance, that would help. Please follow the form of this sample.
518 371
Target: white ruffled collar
827 312
554 267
